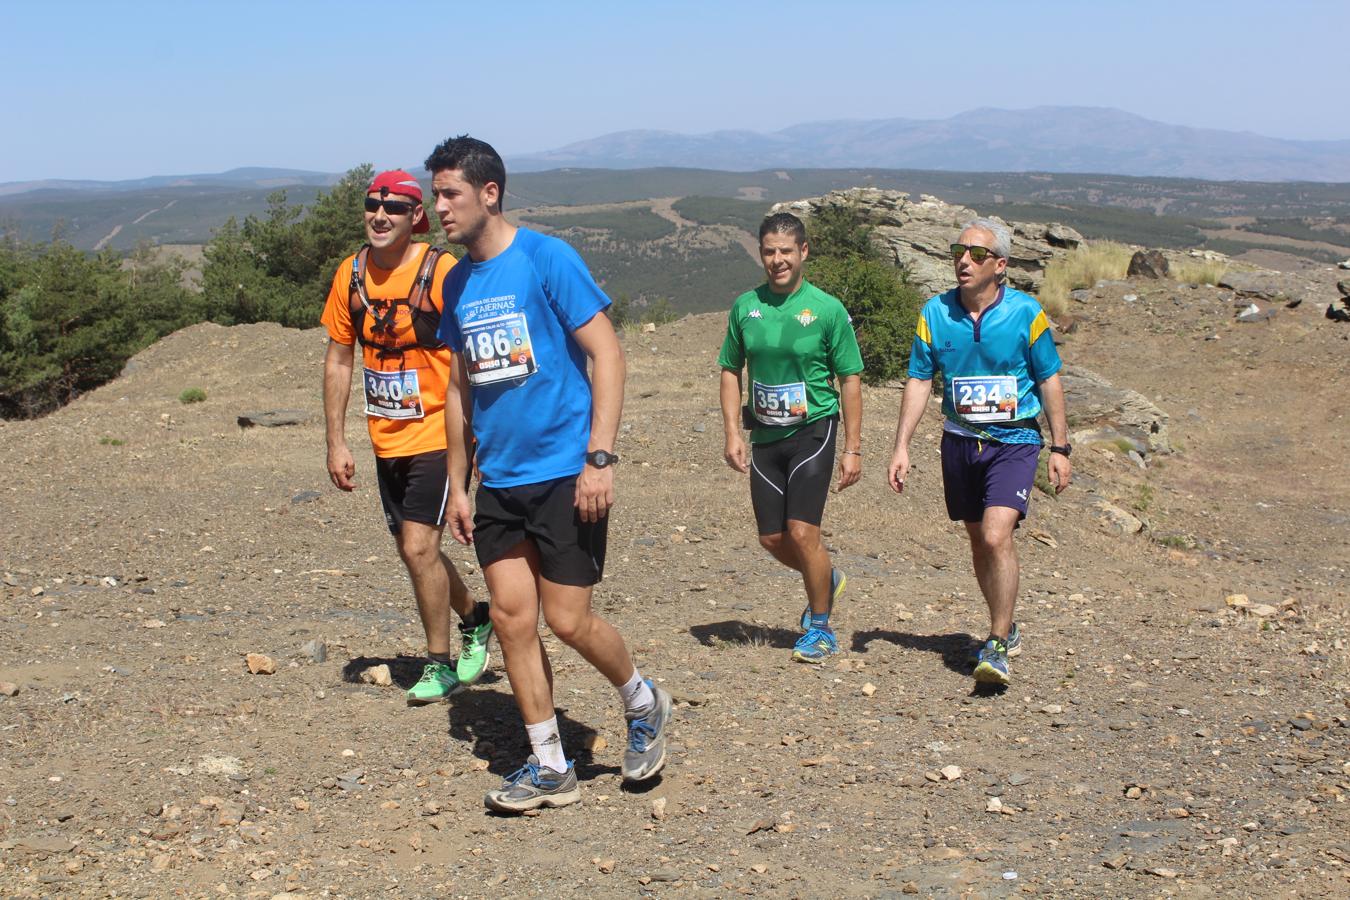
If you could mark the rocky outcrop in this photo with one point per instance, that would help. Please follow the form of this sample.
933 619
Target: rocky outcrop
1099 410
916 235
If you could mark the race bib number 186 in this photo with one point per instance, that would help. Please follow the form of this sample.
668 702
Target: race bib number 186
985 398
498 349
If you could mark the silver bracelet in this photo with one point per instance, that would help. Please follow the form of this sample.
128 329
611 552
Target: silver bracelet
853 452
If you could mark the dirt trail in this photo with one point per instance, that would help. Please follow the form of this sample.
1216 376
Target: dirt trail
1156 740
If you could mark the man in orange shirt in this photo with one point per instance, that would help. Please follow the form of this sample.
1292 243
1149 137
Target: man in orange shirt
388 297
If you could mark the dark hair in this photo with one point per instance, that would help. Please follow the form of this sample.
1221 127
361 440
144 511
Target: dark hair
475 160
783 223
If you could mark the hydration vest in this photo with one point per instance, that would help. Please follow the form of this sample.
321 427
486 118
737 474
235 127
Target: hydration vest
425 315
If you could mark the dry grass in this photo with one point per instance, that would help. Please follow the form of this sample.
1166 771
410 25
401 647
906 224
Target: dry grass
1082 268
1198 271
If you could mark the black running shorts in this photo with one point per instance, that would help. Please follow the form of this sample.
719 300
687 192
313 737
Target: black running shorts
789 479
570 551
413 489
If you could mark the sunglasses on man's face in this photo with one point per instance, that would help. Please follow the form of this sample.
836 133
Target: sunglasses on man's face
977 254
391 207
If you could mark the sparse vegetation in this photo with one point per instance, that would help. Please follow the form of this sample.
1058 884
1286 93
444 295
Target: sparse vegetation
111 441
1081 268
192 395
1199 271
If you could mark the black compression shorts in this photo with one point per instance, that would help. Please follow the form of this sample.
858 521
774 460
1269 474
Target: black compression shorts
789 479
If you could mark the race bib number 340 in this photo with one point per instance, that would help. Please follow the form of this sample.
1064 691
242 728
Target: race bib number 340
985 398
498 349
779 404
393 395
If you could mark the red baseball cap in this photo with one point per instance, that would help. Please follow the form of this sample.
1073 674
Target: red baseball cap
397 181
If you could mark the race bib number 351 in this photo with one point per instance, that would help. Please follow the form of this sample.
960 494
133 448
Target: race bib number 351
393 395
779 404
985 398
498 349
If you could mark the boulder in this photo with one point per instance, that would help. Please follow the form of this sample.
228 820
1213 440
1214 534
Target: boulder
273 418
1148 264
1262 285
916 235
1344 288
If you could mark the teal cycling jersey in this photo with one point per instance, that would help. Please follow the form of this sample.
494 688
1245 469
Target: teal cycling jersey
992 367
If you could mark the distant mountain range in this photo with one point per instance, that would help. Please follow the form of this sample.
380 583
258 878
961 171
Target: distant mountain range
1043 139
240 179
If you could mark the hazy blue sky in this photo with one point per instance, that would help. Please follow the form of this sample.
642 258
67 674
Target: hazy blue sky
122 90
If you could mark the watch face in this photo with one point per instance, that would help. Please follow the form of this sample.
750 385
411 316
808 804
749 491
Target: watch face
600 458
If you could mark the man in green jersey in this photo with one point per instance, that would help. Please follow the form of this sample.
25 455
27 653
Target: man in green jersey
794 340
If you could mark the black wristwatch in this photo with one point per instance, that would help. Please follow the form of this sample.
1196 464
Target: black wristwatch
1062 451
602 458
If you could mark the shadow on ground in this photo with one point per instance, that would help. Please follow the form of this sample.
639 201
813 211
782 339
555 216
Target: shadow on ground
404 670
735 631
954 648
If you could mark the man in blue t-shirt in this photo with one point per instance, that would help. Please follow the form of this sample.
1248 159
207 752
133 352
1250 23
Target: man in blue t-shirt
1000 369
523 316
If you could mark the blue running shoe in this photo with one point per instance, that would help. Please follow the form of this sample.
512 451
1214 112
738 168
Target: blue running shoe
993 665
1014 643
816 646
838 581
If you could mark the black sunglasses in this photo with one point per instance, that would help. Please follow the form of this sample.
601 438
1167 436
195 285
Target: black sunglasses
977 254
392 207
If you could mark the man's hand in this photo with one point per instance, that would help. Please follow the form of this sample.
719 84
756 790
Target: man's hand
899 468
341 467
595 493
1060 471
734 452
850 470
459 518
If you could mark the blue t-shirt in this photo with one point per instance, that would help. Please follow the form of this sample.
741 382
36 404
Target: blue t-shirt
992 368
512 317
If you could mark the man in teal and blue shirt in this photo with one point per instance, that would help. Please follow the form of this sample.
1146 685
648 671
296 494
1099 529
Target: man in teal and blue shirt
1000 370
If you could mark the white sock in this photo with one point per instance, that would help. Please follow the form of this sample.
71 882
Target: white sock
547 744
636 694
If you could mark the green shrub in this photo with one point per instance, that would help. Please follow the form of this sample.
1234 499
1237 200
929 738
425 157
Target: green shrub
111 441
845 263
192 395
70 320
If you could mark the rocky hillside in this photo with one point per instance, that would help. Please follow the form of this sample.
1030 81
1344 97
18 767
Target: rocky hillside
1176 726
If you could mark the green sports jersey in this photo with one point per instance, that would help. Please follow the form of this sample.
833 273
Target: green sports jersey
793 347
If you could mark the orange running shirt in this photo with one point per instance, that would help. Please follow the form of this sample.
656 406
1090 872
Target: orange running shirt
404 394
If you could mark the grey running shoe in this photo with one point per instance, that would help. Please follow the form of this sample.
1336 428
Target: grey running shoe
1014 645
646 753
534 785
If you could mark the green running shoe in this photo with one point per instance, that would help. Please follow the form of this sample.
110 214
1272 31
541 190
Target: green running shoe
473 651
438 683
